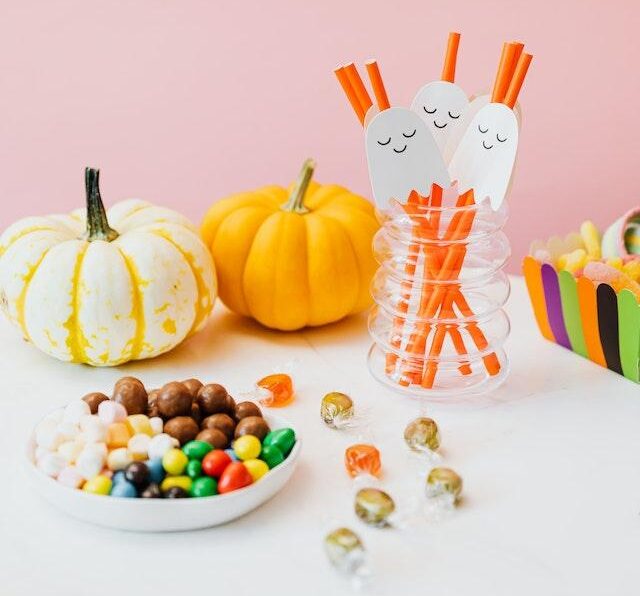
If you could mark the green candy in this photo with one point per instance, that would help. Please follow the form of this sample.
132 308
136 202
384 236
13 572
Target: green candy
283 438
196 449
193 469
271 455
204 486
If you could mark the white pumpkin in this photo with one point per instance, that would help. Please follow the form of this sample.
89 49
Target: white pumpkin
82 291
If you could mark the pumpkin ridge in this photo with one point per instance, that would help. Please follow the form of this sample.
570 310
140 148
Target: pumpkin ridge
203 293
23 293
75 338
22 234
353 251
137 311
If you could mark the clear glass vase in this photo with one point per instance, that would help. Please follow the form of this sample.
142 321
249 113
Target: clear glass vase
438 323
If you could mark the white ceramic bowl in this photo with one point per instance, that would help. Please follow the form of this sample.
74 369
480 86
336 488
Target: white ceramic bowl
164 515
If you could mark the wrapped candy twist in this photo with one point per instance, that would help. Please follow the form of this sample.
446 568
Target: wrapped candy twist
276 390
362 459
422 435
347 554
336 409
374 506
443 489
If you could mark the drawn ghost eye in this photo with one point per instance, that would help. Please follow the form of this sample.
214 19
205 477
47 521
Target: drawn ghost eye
499 139
413 134
386 143
482 131
429 111
454 116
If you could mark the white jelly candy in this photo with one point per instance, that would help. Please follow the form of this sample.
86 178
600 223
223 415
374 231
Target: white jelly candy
156 425
91 460
70 477
138 446
69 430
159 445
118 459
75 411
70 450
111 411
51 464
94 430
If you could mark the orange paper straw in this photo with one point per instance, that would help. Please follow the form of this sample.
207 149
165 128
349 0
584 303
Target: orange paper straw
349 91
358 86
378 86
518 79
450 58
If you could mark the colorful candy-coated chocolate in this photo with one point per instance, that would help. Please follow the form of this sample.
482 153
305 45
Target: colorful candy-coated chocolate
282 438
215 462
176 492
137 473
118 477
271 455
156 470
247 447
196 449
235 476
124 489
257 468
444 481
194 469
204 487
139 424
422 434
279 388
374 506
336 408
345 550
151 492
231 453
118 435
184 482
362 459
174 462
98 485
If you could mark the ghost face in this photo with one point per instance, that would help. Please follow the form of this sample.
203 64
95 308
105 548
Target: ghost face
441 105
402 156
484 159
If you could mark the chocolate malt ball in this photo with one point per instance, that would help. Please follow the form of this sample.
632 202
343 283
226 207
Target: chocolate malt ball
247 408
183 428
130 392
152 403
214 399
222 422
252 425
93 400
174 400
195 413
193 385
216 438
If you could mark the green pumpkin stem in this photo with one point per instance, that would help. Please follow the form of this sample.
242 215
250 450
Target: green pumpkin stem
97 225
295 204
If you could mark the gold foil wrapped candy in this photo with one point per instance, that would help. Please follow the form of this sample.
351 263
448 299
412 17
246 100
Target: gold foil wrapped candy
336 409
374 506
422 435
345 550
444 482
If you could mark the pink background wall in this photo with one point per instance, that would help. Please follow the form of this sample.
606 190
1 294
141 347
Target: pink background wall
182 102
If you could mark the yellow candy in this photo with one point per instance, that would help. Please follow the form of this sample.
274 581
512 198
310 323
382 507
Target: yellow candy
257 468
98 485
632 269
139 424
174 462
182 481
247 447
591 238
573 261
615 263
118 435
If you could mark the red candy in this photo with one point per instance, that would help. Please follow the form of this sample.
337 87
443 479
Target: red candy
235 476
215 462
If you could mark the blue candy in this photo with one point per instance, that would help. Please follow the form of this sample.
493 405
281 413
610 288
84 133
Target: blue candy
156 471
231 453
118 477
125 489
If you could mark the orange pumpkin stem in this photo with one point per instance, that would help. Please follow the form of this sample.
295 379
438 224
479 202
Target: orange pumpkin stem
295 204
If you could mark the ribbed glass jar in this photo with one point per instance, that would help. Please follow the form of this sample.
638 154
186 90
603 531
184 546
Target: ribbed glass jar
437 324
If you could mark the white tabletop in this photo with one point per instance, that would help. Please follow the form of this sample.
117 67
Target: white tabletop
551 466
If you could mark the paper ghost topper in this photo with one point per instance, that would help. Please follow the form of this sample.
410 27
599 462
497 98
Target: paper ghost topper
442 103
484 159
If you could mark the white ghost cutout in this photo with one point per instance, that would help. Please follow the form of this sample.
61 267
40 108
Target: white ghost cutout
486 154
402 156
441 105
